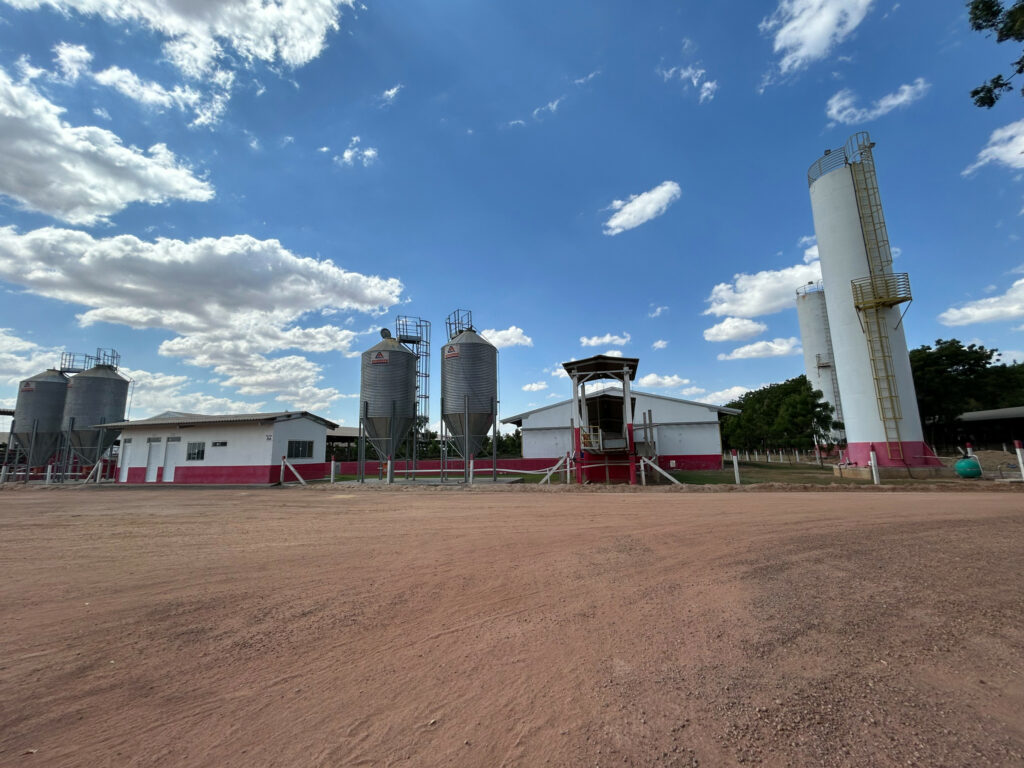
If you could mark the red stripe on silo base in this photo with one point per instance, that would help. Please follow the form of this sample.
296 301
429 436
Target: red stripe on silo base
915 454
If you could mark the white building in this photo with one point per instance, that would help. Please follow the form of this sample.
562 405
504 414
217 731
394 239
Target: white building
685 434
238 448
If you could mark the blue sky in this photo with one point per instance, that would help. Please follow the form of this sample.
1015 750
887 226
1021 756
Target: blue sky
238 195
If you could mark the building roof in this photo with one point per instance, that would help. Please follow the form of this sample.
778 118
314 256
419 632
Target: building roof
996 414
6 411
343 433
617 391
178 419
603 367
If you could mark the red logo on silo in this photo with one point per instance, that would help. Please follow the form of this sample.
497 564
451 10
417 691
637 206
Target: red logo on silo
381 358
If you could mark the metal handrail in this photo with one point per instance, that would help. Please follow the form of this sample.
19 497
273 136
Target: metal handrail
837 158
885 290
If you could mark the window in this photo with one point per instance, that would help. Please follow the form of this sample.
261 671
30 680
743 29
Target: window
220 444
173 439
195 452
127 440
300 449
153 439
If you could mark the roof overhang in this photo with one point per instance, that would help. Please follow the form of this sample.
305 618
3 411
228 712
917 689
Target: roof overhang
602 367
197 419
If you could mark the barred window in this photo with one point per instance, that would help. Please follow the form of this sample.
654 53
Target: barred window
219 444
195 452
300 449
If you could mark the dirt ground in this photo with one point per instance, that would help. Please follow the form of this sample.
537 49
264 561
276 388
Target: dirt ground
339 626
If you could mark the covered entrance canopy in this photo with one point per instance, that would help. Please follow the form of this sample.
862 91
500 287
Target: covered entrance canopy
605 428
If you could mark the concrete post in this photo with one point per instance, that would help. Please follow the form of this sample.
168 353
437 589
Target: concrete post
1019 447
332 471
735 466
874 466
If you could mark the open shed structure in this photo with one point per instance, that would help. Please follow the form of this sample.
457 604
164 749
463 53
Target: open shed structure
608 429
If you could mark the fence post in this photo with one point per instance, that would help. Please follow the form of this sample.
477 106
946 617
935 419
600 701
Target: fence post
1019 447
736 466
282 470
874 467
332 471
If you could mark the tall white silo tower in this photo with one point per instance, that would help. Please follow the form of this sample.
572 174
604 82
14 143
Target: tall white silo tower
816 339
863 296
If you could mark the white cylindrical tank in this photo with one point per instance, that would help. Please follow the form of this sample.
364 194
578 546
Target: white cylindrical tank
819 360
873 369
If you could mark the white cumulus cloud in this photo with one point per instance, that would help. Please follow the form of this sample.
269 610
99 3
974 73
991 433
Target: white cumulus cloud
806 30
551 107
1008 306
388 97
773 348
659 344
727 395
536 386
734 329
80 174
355 154
842 107
513 336
1005 146
762 293
639 209
197 34
71 60
608 338
657 381
232 301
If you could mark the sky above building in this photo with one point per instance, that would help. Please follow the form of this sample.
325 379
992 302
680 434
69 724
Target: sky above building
238 195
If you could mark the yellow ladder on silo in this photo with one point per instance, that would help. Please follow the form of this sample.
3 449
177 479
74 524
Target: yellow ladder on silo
886 393
869 203
873 296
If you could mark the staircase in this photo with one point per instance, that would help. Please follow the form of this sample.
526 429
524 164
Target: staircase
877 293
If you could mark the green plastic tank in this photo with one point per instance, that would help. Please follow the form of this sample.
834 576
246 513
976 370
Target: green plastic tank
968 467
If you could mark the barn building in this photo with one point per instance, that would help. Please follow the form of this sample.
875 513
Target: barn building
682 434
186 448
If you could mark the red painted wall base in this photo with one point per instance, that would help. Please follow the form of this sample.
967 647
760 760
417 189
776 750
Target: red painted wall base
245 475
915 454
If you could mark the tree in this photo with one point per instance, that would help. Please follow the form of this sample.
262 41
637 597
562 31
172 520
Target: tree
951 379
1007 22
787 415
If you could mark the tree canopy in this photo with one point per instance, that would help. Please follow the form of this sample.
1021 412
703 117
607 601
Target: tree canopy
787 415
951 379
1007 23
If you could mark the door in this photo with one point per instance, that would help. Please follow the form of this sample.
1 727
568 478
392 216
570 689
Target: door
124 457
172 456
153 461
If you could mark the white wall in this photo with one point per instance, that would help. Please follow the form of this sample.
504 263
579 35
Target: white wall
689 429
247 444
299 429
689 439
546 443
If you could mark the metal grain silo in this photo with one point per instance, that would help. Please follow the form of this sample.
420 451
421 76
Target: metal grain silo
387 394
94 397
863 295
816 339
469 389
37 415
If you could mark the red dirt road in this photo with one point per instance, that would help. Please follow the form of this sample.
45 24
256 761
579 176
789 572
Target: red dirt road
353 627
